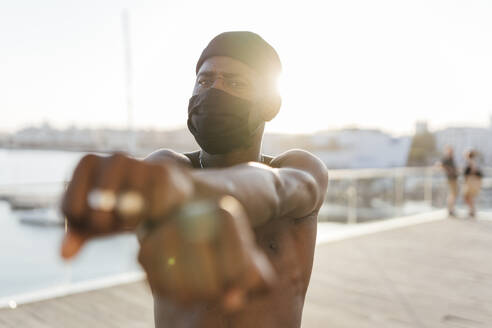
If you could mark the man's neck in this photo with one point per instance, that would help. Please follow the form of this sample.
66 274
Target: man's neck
251 154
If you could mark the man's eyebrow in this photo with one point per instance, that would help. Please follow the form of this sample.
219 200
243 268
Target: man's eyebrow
226 75
233 75
206 73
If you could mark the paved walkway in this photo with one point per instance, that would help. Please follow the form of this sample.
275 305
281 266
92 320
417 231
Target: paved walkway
435 274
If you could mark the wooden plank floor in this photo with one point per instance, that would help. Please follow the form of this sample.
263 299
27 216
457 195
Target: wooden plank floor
128 305
430 275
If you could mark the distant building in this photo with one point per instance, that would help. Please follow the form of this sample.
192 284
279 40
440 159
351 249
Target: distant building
423 149
346 148
421 127
357 148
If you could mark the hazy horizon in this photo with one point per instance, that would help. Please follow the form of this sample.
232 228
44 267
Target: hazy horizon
268 131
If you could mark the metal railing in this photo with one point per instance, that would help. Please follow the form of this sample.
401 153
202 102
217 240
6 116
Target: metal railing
387 191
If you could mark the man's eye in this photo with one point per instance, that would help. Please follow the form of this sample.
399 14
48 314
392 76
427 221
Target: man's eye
237 84
205 83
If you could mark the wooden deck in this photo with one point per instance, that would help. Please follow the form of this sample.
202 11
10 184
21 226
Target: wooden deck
430 275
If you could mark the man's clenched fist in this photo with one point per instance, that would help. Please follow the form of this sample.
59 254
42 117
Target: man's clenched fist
116 193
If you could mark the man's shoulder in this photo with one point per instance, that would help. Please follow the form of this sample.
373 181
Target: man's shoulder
296 157
164 154
302 160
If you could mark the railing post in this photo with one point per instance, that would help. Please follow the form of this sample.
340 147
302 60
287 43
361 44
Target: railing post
399 192
352 202
428 186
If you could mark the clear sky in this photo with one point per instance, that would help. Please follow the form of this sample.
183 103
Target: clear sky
378 64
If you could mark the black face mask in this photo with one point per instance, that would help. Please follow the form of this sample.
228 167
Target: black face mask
221 122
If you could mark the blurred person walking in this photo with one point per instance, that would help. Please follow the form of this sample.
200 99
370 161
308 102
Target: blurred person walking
448 165
473 181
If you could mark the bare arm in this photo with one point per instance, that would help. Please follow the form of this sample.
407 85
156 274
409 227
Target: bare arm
212 259
293 186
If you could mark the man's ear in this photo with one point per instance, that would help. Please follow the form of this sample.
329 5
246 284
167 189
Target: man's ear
270 107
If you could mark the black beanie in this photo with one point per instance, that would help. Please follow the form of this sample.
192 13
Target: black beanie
247 47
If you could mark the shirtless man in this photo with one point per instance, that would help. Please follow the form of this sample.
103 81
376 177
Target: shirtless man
227 234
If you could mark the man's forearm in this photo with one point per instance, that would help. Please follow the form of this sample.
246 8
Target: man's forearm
264 192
